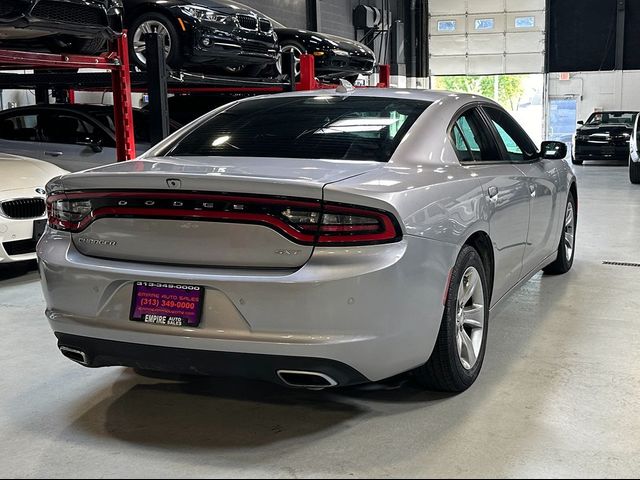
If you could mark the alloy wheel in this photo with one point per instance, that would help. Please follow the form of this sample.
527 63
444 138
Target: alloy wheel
569 231
150 26
297 54
470 318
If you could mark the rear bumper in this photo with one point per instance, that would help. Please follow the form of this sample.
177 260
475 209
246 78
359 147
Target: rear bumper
105 353
376 309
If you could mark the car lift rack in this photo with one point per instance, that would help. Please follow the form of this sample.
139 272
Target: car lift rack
120 82
157 81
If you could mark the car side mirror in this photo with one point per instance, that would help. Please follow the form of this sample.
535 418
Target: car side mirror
554 150
580 122
95 144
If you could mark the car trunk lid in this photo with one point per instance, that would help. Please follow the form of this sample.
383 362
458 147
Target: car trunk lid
203 211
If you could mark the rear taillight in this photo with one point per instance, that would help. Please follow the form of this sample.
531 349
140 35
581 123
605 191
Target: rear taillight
307 222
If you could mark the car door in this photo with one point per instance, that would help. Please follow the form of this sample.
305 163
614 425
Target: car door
507 192
19 135
74 142
542 177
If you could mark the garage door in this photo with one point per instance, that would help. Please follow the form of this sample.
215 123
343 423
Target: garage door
486 37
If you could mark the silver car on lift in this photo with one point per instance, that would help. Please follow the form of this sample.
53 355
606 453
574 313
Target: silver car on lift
313 239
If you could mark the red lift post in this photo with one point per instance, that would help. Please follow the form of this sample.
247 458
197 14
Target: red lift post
117 62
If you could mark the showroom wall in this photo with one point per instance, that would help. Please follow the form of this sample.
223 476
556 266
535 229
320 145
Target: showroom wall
598 90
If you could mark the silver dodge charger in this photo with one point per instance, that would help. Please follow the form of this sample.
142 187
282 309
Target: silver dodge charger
314 239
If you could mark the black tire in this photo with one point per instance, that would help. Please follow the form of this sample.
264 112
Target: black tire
286 57
444 371
634 172
563 262
174 59
575 161
89 46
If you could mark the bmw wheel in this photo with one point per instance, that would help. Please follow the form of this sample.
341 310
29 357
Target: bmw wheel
288 48
457 358
148 23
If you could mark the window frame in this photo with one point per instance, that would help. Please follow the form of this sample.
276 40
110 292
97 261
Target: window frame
487 132
500 143
97 126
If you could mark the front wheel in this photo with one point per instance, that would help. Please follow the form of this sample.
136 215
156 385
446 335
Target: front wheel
634 172
291 50
169 39
457 358
567 247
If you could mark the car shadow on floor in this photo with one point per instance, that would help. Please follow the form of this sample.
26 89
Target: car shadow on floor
218 413
224 414
18 271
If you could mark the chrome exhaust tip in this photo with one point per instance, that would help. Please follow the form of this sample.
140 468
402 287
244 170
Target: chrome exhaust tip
76 355
308 380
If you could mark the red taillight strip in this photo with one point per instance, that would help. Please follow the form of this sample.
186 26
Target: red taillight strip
317 235
184 196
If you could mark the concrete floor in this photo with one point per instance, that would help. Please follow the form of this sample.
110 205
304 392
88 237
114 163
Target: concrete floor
559 395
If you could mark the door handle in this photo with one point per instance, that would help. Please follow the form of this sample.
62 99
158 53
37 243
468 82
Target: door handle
532 189
53 154
493 194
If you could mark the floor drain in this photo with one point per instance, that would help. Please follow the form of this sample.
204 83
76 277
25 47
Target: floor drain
622 264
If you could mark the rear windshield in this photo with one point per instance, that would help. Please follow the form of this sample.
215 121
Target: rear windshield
323 127
612 118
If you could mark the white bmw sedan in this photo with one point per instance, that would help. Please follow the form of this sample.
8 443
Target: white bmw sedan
313 239
22 205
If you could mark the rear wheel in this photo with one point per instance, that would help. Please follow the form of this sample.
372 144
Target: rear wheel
566 249
634 172
457 358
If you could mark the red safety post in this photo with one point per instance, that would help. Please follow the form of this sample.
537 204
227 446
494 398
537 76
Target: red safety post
122 103
307 73
385 76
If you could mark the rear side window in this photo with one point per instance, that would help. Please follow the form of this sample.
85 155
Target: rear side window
470 139
324 127
20 128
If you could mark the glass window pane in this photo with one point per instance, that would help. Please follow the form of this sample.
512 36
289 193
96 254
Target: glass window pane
21 128
447 26
485 24
327 127
525 22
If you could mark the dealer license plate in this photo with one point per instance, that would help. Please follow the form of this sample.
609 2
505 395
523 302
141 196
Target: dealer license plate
167 304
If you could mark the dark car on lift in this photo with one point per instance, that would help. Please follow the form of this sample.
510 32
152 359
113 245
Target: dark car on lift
79 26
202 34
335 57
604 136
